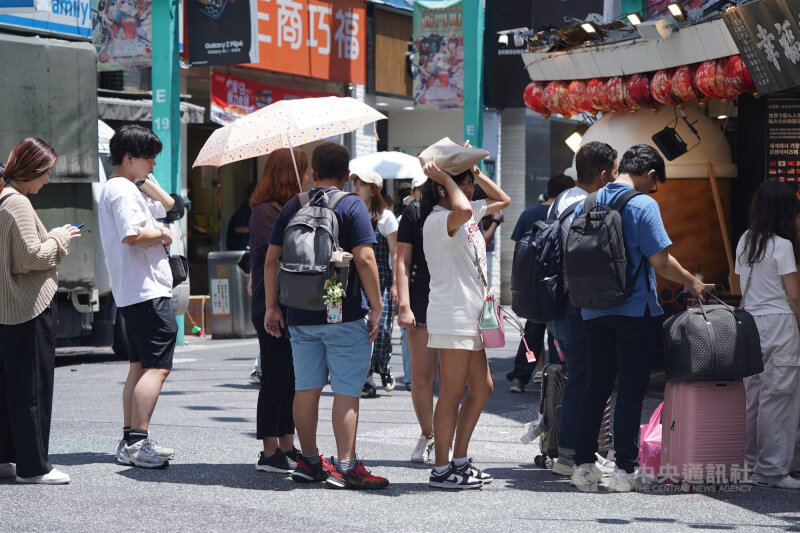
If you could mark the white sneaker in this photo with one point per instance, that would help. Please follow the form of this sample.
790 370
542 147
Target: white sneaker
562 467
8 470
422 451
786 482
53 477
622 481
606 466
143 455
586 477
166 453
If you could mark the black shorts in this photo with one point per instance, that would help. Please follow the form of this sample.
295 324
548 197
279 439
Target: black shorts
152 332
418 294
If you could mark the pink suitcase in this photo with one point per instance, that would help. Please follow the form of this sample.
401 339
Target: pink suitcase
703 431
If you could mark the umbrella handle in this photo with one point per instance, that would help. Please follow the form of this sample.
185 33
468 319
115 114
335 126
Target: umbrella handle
294 162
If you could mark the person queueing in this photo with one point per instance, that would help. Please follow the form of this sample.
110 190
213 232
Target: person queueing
367 186
141 283
321 349
413 280
274 419
622 338
456 255
28 284
770 285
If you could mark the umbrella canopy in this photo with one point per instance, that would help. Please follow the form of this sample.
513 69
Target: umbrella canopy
284 124
390 165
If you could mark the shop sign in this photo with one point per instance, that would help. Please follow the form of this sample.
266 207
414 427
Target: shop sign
122 33
222 32
783 140
766 34
314 38
233 97
438 65
68 18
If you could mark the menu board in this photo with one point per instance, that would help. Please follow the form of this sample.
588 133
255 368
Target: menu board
783 140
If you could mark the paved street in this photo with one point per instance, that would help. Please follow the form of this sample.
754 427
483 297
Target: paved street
207 412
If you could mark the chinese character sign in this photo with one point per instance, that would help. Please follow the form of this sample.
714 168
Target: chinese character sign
314 38
221 32
233 97
783 141
766 34
122 33
438 66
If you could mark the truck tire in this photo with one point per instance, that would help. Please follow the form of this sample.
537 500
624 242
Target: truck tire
120 344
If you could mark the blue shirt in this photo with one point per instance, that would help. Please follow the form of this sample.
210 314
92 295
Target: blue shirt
644 235
355 229
527 219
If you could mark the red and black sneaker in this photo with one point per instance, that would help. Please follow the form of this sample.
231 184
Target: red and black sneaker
305 472
359 478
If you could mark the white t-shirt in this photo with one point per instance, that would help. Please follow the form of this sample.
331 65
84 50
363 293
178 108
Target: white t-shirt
766 294
571 196
387 224
457 292
138 273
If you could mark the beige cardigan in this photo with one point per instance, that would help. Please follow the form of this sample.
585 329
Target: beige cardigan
28 278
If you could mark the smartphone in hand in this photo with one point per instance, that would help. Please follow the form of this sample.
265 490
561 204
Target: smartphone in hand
78 225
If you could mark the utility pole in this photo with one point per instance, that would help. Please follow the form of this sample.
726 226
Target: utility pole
473 26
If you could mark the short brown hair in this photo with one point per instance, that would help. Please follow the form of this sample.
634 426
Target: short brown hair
29 159
278 181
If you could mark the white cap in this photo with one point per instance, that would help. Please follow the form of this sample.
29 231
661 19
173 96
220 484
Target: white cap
418 181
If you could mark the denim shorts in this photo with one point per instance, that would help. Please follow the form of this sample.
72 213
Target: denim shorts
341 350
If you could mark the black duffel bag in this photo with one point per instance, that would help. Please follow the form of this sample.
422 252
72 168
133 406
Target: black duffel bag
710 343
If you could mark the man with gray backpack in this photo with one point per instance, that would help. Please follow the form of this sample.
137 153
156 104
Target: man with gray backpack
330 324
618 231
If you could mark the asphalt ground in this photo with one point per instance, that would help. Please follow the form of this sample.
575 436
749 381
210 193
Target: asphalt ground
207 413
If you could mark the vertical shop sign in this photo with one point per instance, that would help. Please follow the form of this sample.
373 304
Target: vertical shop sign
122 33
314 38
233 97
783 140
766 34
438 65
222 32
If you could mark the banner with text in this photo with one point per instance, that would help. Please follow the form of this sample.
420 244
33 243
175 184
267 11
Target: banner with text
70 18
315 38
233 97
222 33
122 33
438 65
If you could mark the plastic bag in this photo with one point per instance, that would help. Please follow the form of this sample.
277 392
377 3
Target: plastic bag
650 443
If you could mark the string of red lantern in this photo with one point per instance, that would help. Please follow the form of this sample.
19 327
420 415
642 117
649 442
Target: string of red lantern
722 78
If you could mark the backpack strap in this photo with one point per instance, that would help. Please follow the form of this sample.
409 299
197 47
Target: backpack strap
624 199
590 202
303 198
336 198
567 212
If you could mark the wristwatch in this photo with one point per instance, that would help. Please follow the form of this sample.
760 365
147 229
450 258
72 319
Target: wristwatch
140 183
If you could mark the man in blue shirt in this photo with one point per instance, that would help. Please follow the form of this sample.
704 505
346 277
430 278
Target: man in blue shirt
319 349
622 339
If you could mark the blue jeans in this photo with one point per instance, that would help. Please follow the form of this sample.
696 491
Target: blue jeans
619 347
570 332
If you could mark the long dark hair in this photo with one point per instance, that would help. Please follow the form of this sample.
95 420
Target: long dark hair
772 212
29 159
429 196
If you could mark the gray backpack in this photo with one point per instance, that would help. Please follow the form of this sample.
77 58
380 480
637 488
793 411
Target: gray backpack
310 237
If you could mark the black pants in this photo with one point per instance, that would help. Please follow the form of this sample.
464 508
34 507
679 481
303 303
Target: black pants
27 366
274 412
534 335
619 347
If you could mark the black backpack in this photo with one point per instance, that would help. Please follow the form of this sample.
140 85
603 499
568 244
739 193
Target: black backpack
538 291
309 239
595 261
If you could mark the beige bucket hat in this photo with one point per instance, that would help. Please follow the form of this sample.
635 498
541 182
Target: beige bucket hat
451 157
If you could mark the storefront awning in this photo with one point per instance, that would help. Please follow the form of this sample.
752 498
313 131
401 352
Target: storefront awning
693 44
142 110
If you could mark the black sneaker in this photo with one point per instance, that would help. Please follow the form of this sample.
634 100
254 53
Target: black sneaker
477 473
278 462
308 473
452 479
294 454
368 391
387 379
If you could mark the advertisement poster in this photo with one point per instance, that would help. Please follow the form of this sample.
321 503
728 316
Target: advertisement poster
233 97
438 65
783 140
314 38
222 32
122 33
66 18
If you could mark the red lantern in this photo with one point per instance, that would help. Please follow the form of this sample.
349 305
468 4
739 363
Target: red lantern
578 97
618 95
661 88
556 98
738 77
683 85
532 96
639 91
598 95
